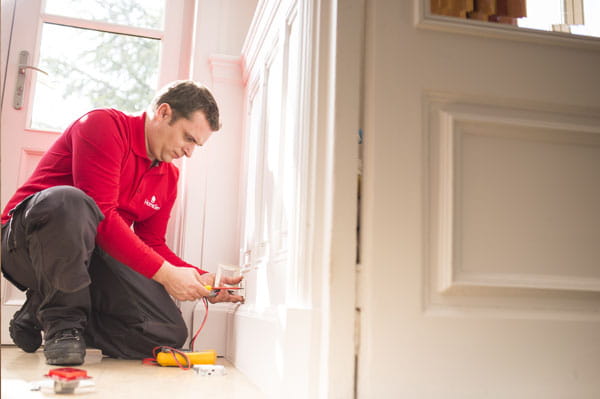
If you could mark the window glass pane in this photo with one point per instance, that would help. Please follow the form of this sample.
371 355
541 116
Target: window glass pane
542 14
591 12
565 16
579 17
139 13
90 69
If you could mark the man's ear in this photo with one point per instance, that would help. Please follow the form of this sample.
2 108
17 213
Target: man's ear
164 111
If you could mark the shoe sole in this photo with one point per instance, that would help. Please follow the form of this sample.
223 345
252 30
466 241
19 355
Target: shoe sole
61 358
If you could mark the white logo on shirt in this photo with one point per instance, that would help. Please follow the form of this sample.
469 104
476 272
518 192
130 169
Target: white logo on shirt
152 203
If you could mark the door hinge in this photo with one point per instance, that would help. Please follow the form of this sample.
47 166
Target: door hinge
356 330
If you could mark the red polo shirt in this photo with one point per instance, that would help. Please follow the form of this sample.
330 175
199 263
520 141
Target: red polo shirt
104 154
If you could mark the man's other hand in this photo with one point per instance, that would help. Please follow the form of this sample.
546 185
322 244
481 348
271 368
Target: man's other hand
223 295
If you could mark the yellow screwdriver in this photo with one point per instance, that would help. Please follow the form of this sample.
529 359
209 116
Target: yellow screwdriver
215 290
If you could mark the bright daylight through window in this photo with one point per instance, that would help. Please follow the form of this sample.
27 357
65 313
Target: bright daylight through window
90 67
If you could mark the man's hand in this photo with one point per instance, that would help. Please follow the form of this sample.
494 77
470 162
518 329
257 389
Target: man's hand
186 284
182 283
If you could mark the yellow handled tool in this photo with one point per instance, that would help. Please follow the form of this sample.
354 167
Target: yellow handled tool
203 357
215 290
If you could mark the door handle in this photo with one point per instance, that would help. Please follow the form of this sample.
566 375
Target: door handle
21 69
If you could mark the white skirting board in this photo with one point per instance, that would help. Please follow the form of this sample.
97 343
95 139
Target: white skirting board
272 347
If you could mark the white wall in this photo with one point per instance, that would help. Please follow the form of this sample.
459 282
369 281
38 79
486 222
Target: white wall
274 324
295 336
302 106
210 178
212 175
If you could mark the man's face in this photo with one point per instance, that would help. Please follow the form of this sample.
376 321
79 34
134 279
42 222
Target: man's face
174 140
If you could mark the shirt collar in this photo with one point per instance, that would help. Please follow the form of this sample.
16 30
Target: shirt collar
139 142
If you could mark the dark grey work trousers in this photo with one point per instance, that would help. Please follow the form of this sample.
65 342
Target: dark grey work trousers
48 247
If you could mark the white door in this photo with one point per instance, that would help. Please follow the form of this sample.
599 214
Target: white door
480 210
96 54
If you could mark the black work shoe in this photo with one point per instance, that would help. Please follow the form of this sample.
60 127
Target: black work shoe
24 327
66 347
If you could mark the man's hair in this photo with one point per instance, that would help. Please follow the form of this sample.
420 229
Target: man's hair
186 97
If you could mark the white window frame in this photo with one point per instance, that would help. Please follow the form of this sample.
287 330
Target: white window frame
175 45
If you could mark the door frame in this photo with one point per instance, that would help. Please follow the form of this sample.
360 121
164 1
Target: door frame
337 121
